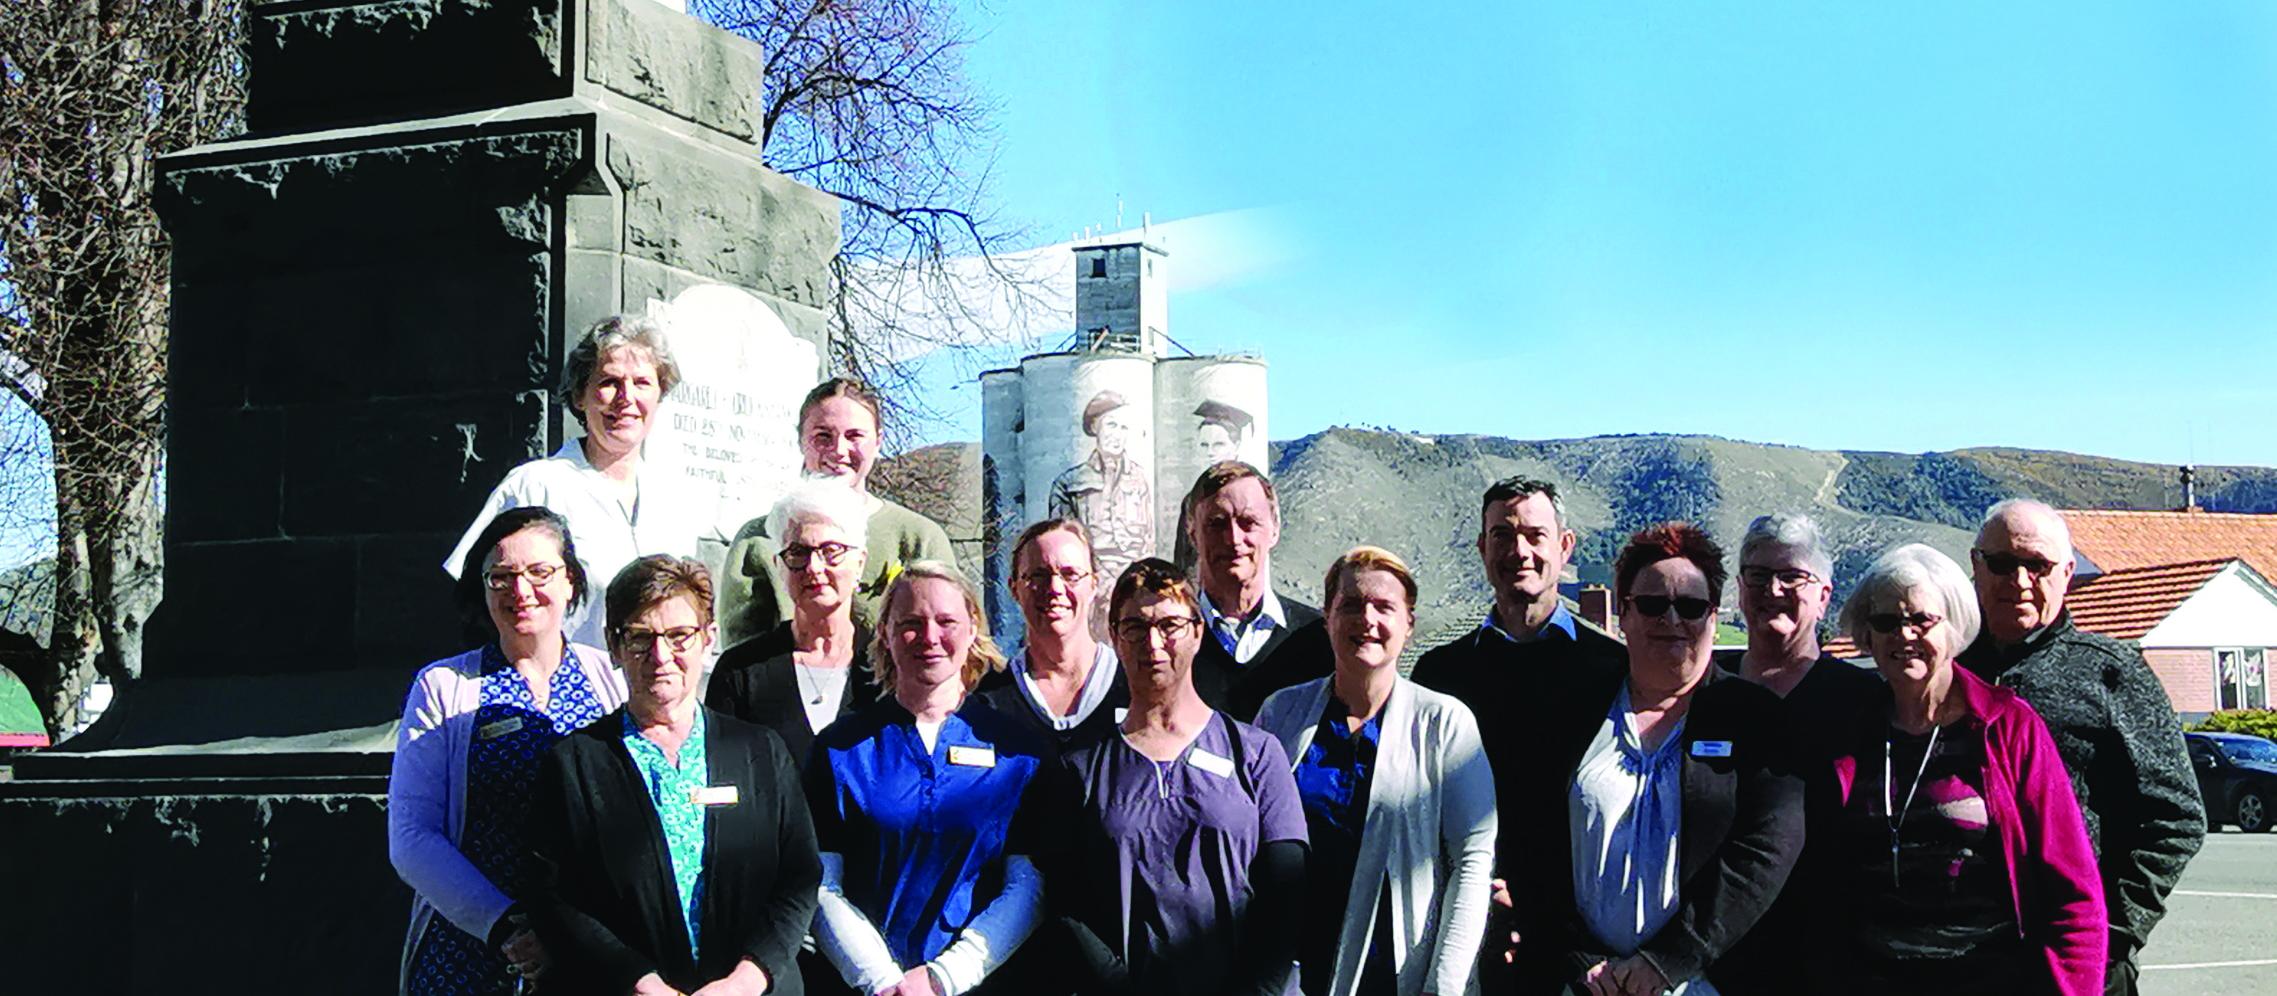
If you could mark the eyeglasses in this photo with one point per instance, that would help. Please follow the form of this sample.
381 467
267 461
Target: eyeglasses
1042 580
500 579
1760 578
1888 622
2006 564
798 555
1170 629
1687 608
642 641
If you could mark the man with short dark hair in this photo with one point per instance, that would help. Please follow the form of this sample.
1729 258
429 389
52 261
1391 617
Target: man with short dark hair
1534 676
2111 719
1259 642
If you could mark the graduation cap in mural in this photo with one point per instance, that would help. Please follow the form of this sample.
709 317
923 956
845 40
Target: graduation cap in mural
1215 412
20 723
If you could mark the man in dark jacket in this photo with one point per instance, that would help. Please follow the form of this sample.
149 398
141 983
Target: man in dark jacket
1256 642
1537 680
2111 719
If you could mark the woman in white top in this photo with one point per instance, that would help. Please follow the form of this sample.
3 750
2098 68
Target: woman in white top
1398 801
616 380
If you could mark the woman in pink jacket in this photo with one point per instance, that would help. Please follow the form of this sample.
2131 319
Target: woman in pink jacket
474 728
1958 863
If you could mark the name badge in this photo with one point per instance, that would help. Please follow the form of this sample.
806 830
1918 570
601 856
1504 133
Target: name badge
1221 767
499 729
973 757
1711 748
715 795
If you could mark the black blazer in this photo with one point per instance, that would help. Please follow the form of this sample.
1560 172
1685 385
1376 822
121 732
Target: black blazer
1743 828
604 902
756 681
1292 655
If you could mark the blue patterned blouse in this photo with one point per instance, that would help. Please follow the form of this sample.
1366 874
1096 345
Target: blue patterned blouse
672 789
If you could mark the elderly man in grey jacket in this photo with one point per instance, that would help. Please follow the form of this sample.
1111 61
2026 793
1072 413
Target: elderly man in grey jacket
2112 721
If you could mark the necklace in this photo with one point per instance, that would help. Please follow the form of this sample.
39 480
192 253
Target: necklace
813 685
1896 817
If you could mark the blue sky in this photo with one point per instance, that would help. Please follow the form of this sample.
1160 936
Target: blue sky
1903 227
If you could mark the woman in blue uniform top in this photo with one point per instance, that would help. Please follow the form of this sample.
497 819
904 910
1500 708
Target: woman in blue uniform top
927 879
672 846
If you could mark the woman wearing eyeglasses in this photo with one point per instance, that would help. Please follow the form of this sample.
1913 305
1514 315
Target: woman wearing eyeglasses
1684 816
929 881
1063 683
1398 800
1182 859
1785 585
801 676
672 845
1960 863
474 727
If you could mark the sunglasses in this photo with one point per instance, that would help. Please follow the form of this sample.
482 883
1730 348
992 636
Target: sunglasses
1888 622
1687 607
2006 564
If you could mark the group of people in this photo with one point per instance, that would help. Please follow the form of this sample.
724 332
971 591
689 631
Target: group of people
1218 789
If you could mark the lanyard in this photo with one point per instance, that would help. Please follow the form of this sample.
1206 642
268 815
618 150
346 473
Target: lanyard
1896 818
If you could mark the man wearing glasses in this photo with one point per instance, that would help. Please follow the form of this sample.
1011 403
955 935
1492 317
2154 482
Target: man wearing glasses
2112 721
1533 676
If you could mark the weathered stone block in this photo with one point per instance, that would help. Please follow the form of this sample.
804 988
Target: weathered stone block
726 221
208 367
233 493
200 894
412 465
449 324
405 613
325 64
256 607
674 63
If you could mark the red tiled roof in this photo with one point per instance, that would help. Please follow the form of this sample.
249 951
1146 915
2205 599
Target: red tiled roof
2124 604
2118 541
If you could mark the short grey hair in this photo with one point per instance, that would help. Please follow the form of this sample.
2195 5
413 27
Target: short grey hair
829 500
607 336
2059 529
1796 532
1914 569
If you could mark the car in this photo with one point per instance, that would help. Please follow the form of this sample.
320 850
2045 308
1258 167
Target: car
2237 776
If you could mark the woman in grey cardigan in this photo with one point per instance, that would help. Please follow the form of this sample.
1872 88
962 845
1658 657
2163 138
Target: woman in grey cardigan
1398 801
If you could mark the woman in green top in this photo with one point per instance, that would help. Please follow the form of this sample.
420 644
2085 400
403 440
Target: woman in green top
839 425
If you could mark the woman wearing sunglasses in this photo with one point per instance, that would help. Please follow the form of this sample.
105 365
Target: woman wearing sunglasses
1684 815
1958 855
813 668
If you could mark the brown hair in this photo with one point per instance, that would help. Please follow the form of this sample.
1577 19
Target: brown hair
842 387
981 659
1220 476
1057 524
1157 576
1668 541
1367 558
652 581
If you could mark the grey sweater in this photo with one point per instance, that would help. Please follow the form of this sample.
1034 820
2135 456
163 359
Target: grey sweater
2119 736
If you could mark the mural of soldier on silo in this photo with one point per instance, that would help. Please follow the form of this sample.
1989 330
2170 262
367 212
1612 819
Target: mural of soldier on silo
1222 433
1109 491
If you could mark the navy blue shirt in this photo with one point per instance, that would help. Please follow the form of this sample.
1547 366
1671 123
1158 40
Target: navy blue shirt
920 829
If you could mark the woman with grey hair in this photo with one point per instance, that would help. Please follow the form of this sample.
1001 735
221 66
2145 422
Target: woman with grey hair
1785 582
616 380
801 676
1955 859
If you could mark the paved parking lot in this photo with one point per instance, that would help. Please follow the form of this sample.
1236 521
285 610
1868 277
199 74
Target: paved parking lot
2220 931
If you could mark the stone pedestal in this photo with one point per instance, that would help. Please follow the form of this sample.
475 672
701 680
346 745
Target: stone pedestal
374 292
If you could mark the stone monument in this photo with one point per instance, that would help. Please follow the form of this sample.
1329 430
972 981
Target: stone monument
373 292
